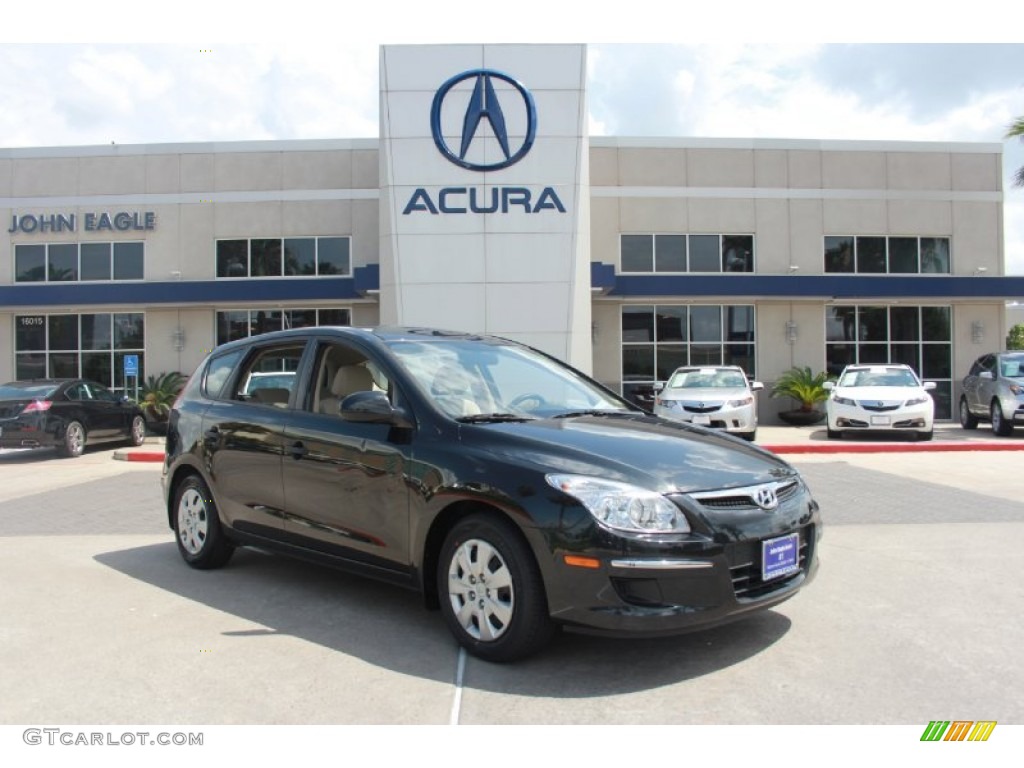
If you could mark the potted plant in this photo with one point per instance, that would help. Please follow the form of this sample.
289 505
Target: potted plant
157 396
807 388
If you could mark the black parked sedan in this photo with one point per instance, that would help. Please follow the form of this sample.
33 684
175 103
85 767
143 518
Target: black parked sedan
66 414
516 493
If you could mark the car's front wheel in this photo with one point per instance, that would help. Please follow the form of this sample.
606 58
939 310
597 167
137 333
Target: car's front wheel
72 444
197 528
1000 425
137 435
492 594
967 419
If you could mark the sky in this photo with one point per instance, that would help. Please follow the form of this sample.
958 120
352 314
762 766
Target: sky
211 72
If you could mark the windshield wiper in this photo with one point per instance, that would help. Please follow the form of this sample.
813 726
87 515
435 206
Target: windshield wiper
594 412
486 418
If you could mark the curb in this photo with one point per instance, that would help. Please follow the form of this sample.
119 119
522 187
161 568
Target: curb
139 456
895 448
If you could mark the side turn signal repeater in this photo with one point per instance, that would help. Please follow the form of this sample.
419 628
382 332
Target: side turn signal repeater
582 562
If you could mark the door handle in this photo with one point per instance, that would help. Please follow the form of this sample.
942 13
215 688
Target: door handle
298 450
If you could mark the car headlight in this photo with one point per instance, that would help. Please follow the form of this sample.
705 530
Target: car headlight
843 400
622 506
1016 389
917 400
667 404
742 401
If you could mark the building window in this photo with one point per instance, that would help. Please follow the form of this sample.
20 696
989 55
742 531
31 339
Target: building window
919 336
284 257
886 255
90 346
657 339
686 253
233 324
78 262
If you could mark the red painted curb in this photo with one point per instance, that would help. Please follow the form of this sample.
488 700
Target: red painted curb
140 456
891 448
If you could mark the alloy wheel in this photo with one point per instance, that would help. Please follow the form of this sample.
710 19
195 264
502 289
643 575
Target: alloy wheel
193 521
480 590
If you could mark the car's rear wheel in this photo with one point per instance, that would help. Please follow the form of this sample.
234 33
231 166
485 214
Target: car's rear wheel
967 419
72 443
492 594
138 432
1000 426
197 528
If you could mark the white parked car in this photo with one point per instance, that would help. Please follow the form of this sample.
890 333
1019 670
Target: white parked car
716 396
880 398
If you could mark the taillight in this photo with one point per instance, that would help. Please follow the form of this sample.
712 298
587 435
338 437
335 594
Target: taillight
37 406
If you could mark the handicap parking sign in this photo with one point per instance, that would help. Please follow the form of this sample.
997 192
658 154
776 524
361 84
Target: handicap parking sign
131 366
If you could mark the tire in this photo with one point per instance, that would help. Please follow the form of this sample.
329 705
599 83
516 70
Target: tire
1000 426
967 419
72 444
833 434
924 437
137 435
749 436
197 528
510 620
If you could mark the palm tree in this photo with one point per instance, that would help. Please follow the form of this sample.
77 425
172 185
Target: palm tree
1017 131
802 385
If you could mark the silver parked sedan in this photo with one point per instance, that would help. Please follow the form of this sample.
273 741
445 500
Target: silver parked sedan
717 396
993 391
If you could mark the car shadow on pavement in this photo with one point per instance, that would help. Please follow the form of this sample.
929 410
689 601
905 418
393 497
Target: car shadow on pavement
388 626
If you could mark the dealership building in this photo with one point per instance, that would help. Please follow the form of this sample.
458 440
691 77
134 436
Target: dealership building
485 206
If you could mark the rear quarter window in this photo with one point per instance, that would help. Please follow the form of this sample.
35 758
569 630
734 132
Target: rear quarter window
218 372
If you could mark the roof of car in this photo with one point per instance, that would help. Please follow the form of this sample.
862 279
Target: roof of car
379 334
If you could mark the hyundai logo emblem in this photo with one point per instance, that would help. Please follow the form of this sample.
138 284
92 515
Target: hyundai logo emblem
766 499
484 104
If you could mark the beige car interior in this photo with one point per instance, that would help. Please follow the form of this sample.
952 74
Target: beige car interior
342 372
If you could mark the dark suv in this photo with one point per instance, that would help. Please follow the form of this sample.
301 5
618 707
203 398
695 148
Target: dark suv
515 493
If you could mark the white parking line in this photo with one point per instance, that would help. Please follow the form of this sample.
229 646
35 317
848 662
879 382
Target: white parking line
457 703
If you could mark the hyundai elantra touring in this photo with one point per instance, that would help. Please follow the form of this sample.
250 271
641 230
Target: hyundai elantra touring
518 495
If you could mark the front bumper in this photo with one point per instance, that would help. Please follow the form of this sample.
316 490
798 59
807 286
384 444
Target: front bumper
918 418
741 419
651 595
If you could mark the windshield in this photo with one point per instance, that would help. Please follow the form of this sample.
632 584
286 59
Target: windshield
468 378
707 378
879 377
1012 367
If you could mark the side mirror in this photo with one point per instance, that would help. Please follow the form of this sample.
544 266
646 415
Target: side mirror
656 389
372 408
829 385
756 386
930 385
986 375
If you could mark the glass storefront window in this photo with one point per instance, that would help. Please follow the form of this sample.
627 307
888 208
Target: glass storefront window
241 323
891 255
657 339
917 336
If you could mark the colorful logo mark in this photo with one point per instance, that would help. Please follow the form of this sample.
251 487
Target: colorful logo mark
958 730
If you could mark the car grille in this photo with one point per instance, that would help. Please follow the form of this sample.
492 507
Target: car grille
701 407
745 498
878 407
745 568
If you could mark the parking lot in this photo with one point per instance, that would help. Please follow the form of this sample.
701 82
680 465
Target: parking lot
915 616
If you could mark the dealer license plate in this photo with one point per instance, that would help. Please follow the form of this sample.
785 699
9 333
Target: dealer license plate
705 420
880 420
780 557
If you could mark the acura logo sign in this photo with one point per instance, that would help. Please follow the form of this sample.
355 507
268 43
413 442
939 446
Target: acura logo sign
485 119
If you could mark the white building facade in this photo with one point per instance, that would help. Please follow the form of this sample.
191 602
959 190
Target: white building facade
484 206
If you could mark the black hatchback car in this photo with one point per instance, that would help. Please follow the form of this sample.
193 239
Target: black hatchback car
515 493
66 414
